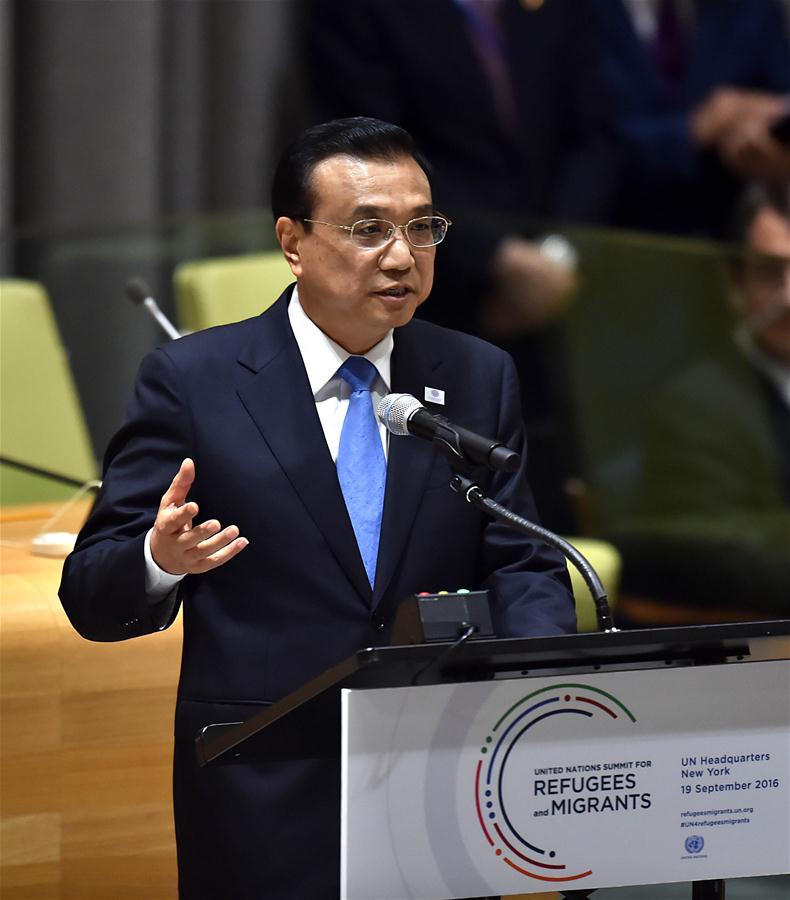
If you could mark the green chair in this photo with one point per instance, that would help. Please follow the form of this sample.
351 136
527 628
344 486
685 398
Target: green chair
228 289
605 559
41 422
647 307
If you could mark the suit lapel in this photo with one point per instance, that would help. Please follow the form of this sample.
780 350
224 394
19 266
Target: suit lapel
639 65
414 366
279 400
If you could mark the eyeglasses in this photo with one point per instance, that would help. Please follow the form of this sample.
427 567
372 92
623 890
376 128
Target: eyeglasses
372 234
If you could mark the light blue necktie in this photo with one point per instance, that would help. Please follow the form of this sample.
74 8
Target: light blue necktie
361 467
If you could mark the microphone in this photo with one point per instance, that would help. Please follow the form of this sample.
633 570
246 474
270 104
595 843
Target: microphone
139 292
403 414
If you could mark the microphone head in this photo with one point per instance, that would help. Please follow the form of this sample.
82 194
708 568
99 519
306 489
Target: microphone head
395 410
137 290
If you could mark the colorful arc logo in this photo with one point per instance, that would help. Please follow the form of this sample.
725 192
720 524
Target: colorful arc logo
524 853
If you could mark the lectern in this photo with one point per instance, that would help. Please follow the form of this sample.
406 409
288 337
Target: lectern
565 763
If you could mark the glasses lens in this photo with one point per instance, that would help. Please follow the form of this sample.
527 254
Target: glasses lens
371 232
426 231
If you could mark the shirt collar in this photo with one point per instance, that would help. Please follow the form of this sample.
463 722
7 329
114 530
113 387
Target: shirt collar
774 371
644 15
323 357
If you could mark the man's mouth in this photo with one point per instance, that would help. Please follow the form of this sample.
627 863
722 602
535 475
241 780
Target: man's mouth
397 292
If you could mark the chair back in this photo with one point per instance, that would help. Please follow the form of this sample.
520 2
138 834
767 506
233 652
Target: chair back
605 559
42 419
647 307
227 289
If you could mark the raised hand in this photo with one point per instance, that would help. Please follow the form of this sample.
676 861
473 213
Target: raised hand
181 548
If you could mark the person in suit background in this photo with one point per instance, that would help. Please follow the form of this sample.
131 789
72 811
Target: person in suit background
241 489
713 528
505 98
696 87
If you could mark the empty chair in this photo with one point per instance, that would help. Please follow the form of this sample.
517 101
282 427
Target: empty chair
228 289
42 421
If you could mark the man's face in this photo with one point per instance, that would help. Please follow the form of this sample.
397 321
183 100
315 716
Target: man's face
765 287
355 295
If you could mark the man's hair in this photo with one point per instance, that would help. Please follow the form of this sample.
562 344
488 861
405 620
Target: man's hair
359 137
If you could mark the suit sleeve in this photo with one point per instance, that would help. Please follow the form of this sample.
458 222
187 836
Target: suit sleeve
658 135
103 584
528 579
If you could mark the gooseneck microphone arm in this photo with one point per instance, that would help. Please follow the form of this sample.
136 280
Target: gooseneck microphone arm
403 414
473 495
139 292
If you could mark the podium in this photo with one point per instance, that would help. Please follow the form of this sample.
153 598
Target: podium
564 763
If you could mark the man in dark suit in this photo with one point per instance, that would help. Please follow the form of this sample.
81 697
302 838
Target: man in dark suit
504 96
695 87
712 523
252 417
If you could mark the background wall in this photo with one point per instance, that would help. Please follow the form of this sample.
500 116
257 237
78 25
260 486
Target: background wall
128 109
120 121
117 116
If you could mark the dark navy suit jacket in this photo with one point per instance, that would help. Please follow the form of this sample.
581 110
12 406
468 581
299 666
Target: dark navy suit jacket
667 184
237 400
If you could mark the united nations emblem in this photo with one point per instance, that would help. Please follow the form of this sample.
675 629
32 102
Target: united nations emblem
694 843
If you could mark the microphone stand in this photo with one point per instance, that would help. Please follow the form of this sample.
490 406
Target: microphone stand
473 495
44 473
46 541
139 292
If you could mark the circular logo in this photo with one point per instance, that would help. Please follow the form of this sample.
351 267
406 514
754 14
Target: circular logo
694 843
496 795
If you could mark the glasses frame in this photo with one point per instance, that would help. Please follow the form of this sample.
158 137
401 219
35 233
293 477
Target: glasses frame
393 228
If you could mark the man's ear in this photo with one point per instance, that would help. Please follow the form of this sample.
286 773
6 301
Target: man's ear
289 233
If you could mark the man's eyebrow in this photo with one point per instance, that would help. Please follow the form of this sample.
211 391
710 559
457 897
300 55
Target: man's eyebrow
376 212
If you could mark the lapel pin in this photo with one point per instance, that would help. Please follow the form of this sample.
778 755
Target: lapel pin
434 395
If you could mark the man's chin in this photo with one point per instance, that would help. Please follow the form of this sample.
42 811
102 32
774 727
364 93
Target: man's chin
397 310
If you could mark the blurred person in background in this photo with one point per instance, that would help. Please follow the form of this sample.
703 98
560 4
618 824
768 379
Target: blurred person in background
714 522
700 89
504 97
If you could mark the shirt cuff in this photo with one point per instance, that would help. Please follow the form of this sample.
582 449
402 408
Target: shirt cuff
158 583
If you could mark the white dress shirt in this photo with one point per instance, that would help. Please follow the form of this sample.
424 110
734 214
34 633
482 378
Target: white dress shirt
644 15
322 358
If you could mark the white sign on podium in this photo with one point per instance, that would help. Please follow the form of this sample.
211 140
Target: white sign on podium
584 781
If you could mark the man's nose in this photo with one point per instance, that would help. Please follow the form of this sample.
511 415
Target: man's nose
398 251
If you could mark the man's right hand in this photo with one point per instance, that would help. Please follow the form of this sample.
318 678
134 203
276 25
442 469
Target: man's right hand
727 108
181 548
530 291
